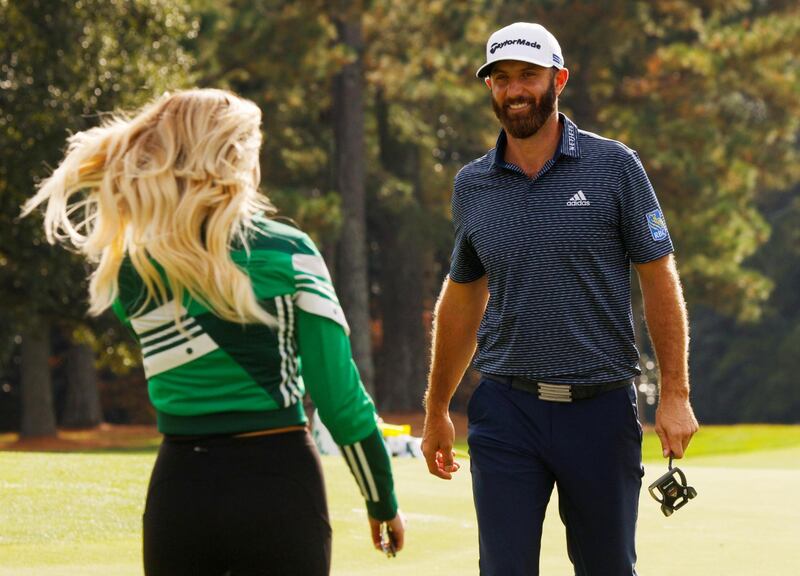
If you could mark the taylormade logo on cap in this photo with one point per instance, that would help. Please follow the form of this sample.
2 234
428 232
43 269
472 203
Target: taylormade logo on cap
522 41
525 42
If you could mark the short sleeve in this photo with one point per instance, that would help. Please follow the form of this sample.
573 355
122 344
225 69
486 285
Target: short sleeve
465 265
644 228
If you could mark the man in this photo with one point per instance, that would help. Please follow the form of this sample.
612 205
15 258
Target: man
546 226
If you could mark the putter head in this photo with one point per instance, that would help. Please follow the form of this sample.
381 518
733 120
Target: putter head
671 491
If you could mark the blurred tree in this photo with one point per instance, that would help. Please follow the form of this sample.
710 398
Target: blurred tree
63 62
350 171
82 402
749 372
705 91
426 124
282 55
715 116
37 414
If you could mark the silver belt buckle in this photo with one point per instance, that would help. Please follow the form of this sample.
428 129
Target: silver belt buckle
554 392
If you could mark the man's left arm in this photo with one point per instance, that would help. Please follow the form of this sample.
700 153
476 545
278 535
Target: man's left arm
667 322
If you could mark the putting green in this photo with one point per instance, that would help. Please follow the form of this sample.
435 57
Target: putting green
745 521
79 515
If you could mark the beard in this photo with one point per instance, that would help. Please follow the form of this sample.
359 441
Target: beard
525 126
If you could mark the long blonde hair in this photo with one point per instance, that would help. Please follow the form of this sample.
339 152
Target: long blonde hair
175 184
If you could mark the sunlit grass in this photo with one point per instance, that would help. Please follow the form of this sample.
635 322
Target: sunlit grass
716 440
79 514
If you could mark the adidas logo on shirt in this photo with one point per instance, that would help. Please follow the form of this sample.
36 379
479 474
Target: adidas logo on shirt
578 200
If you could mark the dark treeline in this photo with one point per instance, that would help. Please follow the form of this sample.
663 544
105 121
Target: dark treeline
370 108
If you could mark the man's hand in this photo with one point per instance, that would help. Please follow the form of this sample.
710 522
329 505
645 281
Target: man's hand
437 445
675 425
396 527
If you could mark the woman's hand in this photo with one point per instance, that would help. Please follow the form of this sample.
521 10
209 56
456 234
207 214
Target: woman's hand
396 528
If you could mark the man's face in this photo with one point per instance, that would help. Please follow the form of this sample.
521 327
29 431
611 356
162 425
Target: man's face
523 96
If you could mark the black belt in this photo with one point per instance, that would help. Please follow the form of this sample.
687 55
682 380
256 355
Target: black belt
558 392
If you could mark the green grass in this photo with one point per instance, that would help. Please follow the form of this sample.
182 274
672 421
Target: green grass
715 441
79 514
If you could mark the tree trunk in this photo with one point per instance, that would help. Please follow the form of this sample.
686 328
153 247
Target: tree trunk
38 416
352 273
82 406
403 348
404 264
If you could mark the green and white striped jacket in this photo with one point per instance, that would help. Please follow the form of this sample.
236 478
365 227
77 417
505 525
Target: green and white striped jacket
206 375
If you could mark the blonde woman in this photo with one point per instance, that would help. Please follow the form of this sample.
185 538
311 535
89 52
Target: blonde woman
236 317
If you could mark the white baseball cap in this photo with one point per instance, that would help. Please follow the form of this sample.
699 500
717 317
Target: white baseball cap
525 42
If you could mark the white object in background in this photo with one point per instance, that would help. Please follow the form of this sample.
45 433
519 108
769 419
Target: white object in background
322 437
404 446
399 443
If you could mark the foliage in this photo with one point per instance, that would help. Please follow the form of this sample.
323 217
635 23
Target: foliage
436 113
290 79
281 55
715 116
749 373
63 62
705 91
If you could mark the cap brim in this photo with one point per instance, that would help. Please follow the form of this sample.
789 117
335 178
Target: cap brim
486 69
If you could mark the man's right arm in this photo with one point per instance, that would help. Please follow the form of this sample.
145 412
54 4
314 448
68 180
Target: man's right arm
457 317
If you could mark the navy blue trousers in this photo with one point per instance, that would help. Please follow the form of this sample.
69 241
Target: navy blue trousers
521 446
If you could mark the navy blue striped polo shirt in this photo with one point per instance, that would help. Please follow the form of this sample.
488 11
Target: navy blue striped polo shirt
557 250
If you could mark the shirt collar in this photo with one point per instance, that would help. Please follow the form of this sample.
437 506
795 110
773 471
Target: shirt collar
568 144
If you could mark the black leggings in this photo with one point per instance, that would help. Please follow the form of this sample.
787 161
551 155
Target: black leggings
237 507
